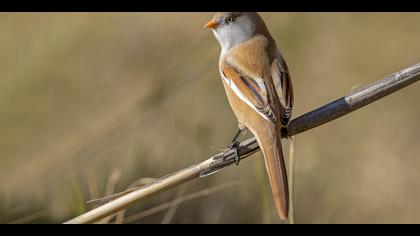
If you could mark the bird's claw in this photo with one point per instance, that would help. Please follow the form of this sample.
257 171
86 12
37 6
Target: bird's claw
234 146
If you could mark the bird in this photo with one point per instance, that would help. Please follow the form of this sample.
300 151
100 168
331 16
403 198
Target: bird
259 90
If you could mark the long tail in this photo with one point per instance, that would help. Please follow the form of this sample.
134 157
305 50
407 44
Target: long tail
270 143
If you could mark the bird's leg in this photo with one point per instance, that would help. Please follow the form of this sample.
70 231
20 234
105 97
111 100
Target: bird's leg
235 138
234 146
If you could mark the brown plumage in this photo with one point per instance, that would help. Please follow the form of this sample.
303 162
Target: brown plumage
259 90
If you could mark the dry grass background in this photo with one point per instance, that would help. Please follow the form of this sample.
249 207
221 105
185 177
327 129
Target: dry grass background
88 97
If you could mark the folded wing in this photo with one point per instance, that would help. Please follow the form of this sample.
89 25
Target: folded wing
282 82
252 91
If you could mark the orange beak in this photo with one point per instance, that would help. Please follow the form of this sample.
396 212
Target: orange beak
211 24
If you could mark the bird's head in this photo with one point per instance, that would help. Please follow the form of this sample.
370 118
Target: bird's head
233 28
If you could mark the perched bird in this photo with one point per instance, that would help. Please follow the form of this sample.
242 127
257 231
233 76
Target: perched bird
258 86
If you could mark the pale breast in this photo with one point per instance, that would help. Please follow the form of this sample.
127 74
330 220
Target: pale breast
251 57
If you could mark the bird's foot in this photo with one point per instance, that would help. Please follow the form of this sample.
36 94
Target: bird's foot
234 146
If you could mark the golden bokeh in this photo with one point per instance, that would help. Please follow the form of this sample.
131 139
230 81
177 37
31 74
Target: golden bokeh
91 102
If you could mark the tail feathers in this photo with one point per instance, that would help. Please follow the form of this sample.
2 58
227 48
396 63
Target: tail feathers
270 143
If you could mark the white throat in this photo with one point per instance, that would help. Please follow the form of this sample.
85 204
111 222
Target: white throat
224 43
232 36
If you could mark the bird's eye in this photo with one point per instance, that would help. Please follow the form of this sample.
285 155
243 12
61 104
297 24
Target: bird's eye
229 19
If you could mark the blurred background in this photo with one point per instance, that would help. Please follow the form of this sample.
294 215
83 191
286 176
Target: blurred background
91 103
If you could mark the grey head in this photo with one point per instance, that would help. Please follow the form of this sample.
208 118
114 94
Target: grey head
233 28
